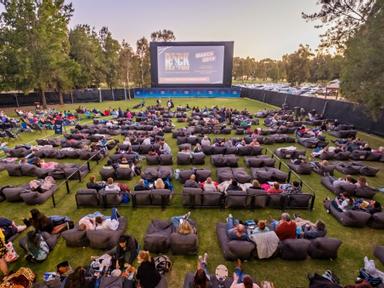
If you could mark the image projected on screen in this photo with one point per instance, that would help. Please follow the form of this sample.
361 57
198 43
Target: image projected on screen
190 64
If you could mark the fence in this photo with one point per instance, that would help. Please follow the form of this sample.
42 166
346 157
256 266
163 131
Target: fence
345 112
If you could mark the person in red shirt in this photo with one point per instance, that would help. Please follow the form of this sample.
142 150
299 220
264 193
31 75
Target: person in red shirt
274 189
286 228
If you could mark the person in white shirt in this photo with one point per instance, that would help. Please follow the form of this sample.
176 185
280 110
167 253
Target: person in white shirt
111 186
147 141
164 148
205 141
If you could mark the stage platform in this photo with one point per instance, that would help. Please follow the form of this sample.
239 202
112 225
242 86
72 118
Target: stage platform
187 92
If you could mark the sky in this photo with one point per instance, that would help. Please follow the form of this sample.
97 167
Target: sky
259 28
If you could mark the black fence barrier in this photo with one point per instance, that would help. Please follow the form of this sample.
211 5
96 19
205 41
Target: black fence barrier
345 112
75 96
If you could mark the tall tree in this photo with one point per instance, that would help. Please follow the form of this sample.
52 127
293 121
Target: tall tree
126 64
110 59
86 50
142 54
362 78
342 19
163 36
297 65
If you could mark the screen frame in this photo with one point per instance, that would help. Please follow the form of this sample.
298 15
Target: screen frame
227 69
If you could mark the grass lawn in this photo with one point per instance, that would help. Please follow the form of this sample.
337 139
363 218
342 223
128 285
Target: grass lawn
357 243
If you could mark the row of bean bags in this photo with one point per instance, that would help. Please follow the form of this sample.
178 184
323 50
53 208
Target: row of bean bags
249 199
278 130
120 173
350 188
304 168
275 138
153 197
61 171
323 170
93 198
238 174
70 154
77 144
159 159
96 239
241 151
152 173
356 218
144 149
344 133
355 168
131 157
191 139
289 153
312 142
55 142
200 174
220 160
190 158
260 161
268 174
162 236
19 152
290 249
213 130
24 193
354 155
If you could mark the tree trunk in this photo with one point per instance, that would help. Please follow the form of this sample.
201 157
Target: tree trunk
61 98
43 99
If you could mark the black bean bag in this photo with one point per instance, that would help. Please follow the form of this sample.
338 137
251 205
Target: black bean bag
323 170
124 173
342 156
350 218
106 239
324 248
165 172
241 175
166 159
35 198
88 198
153 159
218 150
244 151
157 236
359 155
184 175
196 197
13 193
365 192
294 249
183 158
231 160
224 174
213 282
198 158
327 181
150 173
379 253
259 161
303 168
207 150
106 173
202 174
266 174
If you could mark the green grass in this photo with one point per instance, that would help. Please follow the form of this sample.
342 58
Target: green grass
357 243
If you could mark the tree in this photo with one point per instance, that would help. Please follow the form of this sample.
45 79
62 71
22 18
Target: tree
126 67
142 54
297 65
110 57
86 50
163 36
35 39
343 19
362 79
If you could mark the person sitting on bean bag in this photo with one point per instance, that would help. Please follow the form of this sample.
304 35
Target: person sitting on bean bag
285 228
235 230
209 185
274 189
191 182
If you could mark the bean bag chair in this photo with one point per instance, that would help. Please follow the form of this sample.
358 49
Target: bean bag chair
231 160
75 238
207 150
72 154
193 140
184 244
379 253
88 198
13 170
196 197
13 194
144 149
327 182
19 152
308 142
51 240
377 221
150 173
294 249
181 140
257 198
198 158
183 158
110 198
285 154
259 161
241 175
267 174
50 153
324 248
153 159
236 199
75 172
347 169
85 155
303 168
342 156
184 175
106 173
244 151
323 170
234 249
214 283
224 174
299 201
365 192
374 156
350 218
326 155
186 145
35 198
157 237
202 174
218 160
218 150
106 239
226 131
124 173
166 159
359 155
165 172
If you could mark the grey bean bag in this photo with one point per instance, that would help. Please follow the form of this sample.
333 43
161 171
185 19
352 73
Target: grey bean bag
324 248
259 161
75 238
183 158
342 156
75 172
144 149
359 154
241 175
202 174
289 154
236 199
234 249
166 159
165 171
106 173
365 192
184 244
347 169
157 237
257 198
302 168
155 197
51 240
308 142
351 218
266 174
196 197
213 282
106 239
185 145
224 174
327 181
124 173
110 198
218 160
153 159
184 175
377 221
13 169
13 194
19 152
150 173
244 151
374 156
218 150
35 198
87 198
379 253
323 170
198 158
294 249
207 150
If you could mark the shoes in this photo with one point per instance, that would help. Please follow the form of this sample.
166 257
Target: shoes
205 258
186 216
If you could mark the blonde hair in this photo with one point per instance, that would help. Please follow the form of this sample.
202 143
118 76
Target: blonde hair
159 184
185 228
